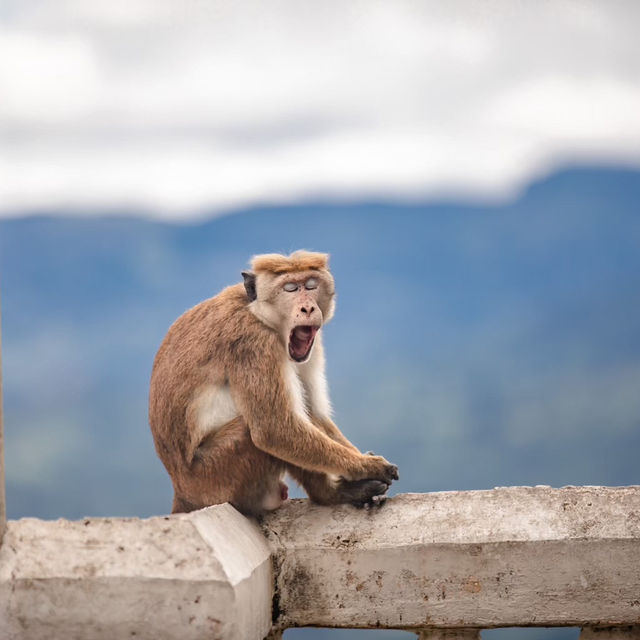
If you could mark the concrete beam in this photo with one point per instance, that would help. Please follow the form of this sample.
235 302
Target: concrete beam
479 559
201 575
443 564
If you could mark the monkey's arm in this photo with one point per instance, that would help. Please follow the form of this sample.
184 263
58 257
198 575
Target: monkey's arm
268 405
324 489
298 441
331 429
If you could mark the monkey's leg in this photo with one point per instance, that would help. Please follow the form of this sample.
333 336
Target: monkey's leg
228 467
324 489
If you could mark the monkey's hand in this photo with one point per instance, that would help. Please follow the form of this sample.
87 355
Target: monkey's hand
377 468
362 493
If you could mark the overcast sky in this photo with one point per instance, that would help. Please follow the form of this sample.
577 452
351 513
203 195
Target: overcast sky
177 108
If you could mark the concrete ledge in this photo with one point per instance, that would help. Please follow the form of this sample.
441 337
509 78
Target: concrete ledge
201 575
446 564
479 559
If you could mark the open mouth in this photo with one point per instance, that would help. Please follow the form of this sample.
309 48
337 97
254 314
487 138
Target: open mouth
301 341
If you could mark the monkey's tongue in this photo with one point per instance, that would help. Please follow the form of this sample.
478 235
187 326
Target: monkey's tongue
305 332
300 341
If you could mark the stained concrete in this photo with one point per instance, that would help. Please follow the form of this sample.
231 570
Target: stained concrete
507 557
202 575
444 564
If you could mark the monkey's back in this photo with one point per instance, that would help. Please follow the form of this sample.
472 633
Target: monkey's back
194 352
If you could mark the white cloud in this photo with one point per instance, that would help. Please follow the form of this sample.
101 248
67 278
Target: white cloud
176 108
567 108
45 78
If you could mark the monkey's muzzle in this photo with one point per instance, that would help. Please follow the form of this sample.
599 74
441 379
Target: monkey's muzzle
301 341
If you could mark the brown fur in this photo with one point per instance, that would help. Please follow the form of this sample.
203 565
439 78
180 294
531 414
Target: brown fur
297 261
221 342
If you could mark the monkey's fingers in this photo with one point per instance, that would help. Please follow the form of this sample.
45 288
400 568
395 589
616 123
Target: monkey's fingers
391 473
379 468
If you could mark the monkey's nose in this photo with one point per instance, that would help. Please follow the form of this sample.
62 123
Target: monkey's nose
307 310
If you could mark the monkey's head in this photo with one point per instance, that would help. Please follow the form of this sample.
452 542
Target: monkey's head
294 295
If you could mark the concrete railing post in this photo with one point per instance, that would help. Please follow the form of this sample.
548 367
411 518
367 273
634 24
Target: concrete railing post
201 575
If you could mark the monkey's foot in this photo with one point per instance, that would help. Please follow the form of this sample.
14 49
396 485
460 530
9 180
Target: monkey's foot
363 493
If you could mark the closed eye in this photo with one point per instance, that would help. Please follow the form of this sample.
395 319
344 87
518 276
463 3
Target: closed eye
311 283
290 286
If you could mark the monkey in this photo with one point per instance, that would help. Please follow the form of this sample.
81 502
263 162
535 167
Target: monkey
238 396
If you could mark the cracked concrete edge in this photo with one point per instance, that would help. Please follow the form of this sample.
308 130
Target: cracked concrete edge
506 514
201 575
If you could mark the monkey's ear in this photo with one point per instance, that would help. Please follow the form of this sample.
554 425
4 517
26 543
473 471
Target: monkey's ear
250 285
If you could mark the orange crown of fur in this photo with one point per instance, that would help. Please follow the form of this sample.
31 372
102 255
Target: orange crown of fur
297 261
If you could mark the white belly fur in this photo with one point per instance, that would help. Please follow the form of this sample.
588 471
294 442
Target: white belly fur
212 408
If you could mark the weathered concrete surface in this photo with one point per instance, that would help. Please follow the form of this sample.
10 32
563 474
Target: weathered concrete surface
508 557
444 563
449 634
611 633
202 575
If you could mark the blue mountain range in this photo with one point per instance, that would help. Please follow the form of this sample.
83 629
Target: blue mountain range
474 346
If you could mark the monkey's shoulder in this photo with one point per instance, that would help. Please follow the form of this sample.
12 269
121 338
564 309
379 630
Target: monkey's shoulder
220 308
216 326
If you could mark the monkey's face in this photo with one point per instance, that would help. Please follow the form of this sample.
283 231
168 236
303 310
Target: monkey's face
295 304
